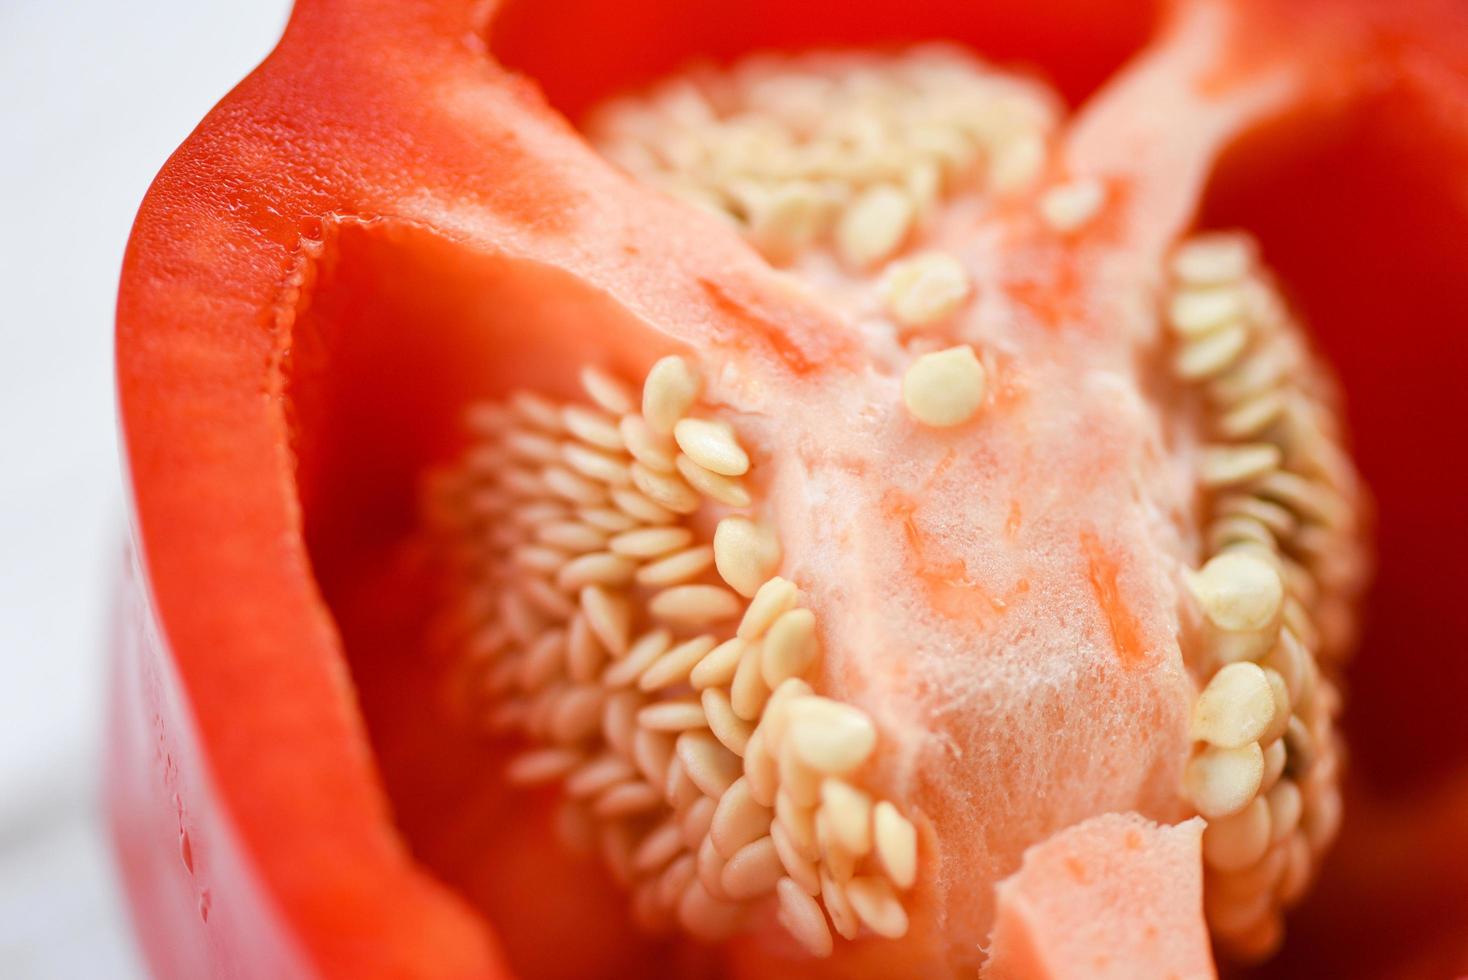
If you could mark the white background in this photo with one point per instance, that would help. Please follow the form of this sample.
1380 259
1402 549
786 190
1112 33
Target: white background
93 97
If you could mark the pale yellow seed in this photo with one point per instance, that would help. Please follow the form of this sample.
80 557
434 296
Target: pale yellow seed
705 917
775 715
944 388
803 870
753 870
1233 843
1274 763
619 719
667 490
848 811
802 918
606 390
676 568
577 713
761 770
646 446
1238 592
789 647
671 669
710 766
798 778
573 487
533 447
606 520
694 605
650 542
896 844
831 737
724 489
572 536
653 753
799 822
1280 692
1213 259
1220 782
1196 312
638 505
712 445
925 289
878 906
843 916
1070 206
669 392
739 819
642 655
672 716
748 691
596 465
697 821
593 427
727 727
680 791
538 411
717 669
1225 466
873 226
597 568
1236 708
1211 354
770 600
541 766
1286 804
609 616
711 868
1017 163
745 553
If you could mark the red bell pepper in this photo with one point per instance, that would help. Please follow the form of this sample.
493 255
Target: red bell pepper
392 209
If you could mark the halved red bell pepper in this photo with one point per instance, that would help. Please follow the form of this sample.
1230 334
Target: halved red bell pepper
385 217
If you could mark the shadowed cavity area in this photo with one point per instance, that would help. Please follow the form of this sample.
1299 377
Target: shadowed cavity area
399 331
1365 221
580 51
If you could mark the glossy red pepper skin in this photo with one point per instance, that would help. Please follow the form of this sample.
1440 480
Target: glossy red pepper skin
253 831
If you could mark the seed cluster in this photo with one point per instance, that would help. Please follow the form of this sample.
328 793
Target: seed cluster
842 150
1283 566
662 673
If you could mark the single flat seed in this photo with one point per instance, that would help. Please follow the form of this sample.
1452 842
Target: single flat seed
672 716
676 568
540 412
627 799
1220 782
1251 418
641 507
573 487
802 869
658 848
873 226
711 868
619 719
1235 842
896 844
878 906
748 691
680 790
830 736
697 821
790 647
712 445
925 289
547 598
695 605
672 668
594 428
799 822
539 559
669 392
1070 206
705 917
752 871
596 465
1299 866
797 779
642 655
597 568
1238 592
667 490
646 446
710 766
1286 804
848 811
1017 163
577 713
1280 719
606 520
532 447
1274 763
572 536
802 918
745 553
541 766
650 542
724 489
606 390
838 905
1196 312
772 599
653 753
1226 466
1236 708
1211 354
543 661
731 730
597 775
717 668
738 819
675 878
1212 259
609 616
775 716
761 770
944 388
523 483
